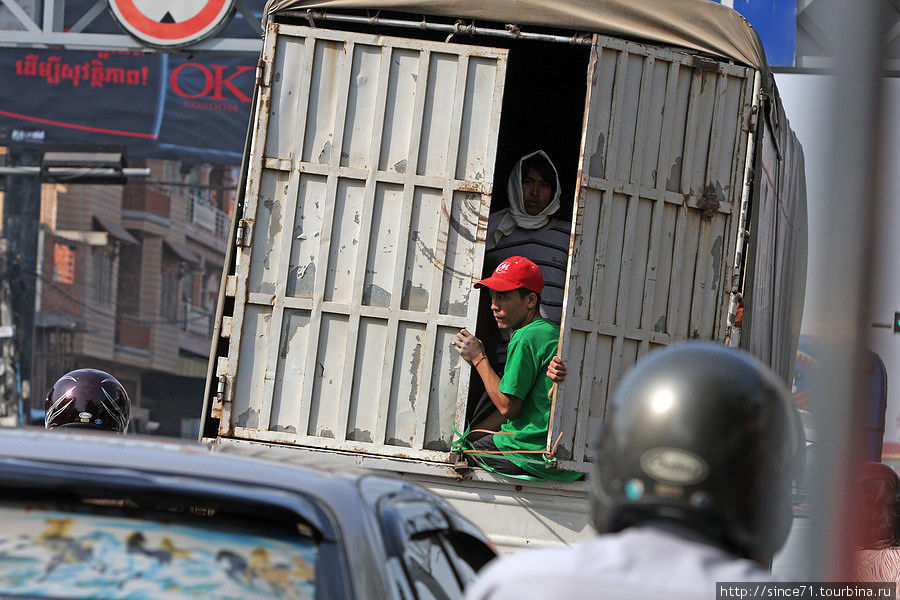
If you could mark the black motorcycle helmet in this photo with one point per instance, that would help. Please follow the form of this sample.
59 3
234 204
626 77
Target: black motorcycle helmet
706 436
87 398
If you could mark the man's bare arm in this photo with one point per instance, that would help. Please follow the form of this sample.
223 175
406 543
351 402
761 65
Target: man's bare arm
492 422
472 351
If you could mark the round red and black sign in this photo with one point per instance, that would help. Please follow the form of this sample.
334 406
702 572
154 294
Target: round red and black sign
171 23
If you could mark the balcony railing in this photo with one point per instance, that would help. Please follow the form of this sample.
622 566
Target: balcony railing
206 216
197 320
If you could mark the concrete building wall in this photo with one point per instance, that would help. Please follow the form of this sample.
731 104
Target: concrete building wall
125 331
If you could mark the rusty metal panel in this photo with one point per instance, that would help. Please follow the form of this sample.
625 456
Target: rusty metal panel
368 195
254 343
378 287
791 253
660 182
267 241
776 276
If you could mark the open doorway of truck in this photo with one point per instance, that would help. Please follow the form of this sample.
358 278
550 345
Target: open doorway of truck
543 109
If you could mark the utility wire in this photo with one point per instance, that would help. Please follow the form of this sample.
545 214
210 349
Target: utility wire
22 276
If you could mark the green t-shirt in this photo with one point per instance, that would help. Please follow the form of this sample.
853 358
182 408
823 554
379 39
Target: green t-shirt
525 377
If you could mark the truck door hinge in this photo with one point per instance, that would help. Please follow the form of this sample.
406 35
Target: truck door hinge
218 403
227 325
231 286
219 398
263 73
751 117
244 234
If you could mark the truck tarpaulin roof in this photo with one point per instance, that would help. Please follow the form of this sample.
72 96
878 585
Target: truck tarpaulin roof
694 24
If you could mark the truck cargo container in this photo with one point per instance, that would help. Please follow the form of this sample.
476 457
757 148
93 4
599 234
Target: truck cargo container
377 134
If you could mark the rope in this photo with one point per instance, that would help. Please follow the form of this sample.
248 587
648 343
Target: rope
552 453
461 28
462 445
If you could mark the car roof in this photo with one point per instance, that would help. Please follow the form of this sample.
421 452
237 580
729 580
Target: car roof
164 455
182 466
34 458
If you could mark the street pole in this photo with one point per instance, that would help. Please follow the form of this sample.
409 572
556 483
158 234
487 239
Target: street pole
21 221
9 387
841 299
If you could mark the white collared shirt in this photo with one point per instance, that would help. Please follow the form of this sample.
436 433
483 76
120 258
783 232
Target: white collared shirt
650 561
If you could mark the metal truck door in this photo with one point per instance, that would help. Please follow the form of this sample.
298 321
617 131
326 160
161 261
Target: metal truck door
661 178
367 197
776 275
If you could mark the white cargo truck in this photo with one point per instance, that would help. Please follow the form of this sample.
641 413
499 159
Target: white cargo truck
381 138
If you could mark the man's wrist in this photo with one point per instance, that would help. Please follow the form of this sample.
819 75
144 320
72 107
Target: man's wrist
478 360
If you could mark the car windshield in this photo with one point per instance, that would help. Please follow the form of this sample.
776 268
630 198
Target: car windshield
58 551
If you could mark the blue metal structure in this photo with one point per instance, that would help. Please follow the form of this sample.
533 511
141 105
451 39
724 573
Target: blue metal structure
776 22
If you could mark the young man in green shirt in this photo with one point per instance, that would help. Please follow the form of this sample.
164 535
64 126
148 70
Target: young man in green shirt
521 396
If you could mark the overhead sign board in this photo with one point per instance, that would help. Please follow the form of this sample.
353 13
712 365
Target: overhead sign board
171 23
159 104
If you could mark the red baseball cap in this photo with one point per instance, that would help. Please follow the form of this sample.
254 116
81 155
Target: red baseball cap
513 273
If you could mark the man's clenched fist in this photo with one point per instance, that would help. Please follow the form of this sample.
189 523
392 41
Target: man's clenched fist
469 347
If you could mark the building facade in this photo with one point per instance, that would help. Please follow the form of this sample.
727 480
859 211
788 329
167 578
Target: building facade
128 282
